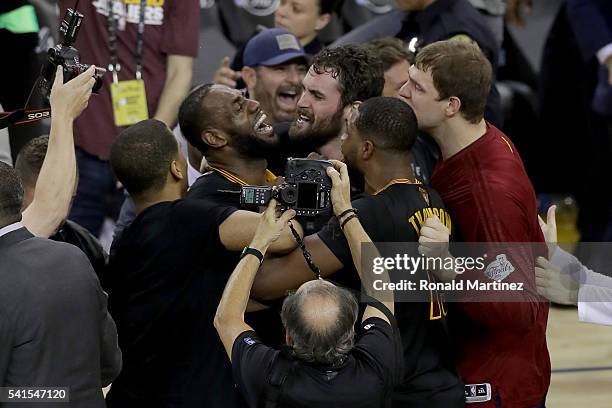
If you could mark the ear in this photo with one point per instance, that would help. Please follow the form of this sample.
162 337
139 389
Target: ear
214 139
322 21
288 340
249 76
453 106
367 150
176 171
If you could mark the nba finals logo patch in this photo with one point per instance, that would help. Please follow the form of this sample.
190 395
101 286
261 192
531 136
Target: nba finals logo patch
499 269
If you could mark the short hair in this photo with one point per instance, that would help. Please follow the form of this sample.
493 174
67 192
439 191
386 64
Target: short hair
460 69
390 51
11 193
389 122
30 160
321 342
193 118
141 156
329 6
360 74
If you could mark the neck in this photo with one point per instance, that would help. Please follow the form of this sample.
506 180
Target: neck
380 172
456 134
250 170
304 41
146 200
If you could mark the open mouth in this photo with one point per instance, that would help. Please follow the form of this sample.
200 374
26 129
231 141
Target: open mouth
288 98
261 126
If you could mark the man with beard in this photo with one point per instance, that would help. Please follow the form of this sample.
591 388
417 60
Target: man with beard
336 79
168 268
379 136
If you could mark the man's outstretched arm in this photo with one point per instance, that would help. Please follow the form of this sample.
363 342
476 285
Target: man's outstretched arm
229 319
56 182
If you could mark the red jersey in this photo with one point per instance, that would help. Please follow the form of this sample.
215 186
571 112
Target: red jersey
491 199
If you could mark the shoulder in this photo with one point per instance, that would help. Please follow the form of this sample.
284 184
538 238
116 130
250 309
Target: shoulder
463 22
387 25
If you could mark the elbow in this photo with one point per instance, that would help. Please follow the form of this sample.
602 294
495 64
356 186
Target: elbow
221 319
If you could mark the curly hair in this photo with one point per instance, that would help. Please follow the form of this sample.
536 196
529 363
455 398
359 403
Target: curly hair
360 75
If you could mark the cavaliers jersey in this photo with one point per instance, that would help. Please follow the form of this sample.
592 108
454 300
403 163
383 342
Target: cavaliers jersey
395 214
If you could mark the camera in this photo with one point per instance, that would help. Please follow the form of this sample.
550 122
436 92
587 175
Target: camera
306 189
67 56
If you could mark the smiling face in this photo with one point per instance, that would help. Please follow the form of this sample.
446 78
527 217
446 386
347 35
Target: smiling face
320 112
241 120
278 88
421 94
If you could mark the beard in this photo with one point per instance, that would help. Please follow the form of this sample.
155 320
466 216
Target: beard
249 145
314 135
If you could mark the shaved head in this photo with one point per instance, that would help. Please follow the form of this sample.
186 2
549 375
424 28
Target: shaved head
319 318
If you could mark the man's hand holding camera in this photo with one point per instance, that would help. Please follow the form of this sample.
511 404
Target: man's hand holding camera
270 226
69 99
341 187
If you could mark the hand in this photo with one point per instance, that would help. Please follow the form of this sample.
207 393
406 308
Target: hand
71 98
225 75
434 238
555 285
341 187
516 10
549 229
270 226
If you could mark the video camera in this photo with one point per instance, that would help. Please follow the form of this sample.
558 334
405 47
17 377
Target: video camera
67 56
306 189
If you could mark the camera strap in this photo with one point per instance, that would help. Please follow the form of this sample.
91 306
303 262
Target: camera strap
112 23
24 115
313 267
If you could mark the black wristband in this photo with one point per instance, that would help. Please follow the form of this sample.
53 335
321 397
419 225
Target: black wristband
350 210
252 251
350 217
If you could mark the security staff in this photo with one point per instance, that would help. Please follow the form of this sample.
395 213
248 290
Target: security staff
422 22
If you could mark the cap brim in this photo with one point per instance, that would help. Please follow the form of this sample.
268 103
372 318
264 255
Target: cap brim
281 59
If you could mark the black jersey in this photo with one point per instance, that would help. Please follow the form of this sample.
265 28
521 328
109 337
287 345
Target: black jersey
395 214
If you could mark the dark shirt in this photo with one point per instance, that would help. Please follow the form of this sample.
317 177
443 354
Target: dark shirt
73 234
165 279
364 380
395 215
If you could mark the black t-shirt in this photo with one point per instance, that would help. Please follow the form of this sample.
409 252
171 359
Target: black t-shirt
363 380
165 279
215 188
393 215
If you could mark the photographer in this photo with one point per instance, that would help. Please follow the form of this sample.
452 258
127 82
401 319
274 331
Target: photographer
380 133
323 365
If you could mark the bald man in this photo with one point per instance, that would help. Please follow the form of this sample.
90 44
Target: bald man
324 363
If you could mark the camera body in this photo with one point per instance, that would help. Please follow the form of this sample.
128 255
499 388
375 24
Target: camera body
307 189
67 56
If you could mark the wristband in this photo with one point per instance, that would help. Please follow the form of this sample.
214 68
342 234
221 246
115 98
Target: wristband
252 251
350 210
350 217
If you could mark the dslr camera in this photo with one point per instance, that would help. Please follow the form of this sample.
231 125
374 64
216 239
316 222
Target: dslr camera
306 189
67 56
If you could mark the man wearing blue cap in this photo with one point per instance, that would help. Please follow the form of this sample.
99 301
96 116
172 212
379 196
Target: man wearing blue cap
274 66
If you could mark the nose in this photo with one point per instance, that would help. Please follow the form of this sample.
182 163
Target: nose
404 91
303 101
252 105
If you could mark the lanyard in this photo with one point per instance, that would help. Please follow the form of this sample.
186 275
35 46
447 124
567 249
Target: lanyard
114 65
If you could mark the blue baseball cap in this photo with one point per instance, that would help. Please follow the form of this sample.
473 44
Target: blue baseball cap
272 47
